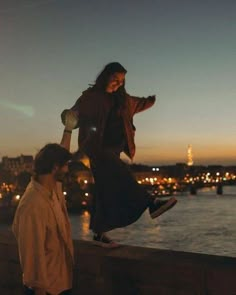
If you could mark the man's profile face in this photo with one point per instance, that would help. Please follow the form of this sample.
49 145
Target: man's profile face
60 172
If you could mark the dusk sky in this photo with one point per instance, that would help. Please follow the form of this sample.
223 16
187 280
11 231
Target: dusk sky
182 51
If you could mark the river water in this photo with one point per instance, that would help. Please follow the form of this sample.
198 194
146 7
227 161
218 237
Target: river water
204 223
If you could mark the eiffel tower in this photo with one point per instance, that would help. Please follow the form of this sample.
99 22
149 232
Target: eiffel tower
190 155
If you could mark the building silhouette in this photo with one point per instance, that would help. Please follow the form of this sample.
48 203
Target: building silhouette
18 164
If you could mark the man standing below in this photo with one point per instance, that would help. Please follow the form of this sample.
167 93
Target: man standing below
41 224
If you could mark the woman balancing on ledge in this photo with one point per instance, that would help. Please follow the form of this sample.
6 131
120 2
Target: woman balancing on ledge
105 119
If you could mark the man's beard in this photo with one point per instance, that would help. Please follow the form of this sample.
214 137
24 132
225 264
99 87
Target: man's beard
60 176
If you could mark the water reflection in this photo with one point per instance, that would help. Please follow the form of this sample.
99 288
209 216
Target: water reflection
80 226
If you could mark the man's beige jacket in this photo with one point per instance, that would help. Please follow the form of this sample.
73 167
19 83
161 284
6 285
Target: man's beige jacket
42 229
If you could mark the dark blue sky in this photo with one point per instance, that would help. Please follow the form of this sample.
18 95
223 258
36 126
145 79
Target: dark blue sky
182 51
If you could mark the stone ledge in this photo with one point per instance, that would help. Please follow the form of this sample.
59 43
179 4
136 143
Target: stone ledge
131 270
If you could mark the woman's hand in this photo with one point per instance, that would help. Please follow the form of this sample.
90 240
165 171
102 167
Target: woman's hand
69 119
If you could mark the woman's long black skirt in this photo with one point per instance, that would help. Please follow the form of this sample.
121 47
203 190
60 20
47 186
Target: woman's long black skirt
118 199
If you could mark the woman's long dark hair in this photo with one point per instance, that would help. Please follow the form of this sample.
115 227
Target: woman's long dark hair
104 77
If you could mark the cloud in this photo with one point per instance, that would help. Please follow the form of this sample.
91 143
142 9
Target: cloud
23 109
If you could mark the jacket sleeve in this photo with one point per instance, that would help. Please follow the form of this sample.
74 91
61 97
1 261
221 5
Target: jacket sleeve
139 104
86 112
30 232
91 114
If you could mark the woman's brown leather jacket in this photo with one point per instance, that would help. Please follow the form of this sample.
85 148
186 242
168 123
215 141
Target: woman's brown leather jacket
92 109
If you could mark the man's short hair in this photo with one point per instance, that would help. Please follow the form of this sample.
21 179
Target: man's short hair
49 156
